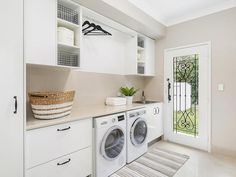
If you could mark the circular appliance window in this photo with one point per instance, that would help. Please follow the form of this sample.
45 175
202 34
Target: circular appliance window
138 132
113 143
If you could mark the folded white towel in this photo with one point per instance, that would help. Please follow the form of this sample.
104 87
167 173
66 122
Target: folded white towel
115 101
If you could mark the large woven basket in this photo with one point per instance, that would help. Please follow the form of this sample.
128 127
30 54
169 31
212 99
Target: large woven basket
51 105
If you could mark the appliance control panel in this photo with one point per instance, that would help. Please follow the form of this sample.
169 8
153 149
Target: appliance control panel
121 118
138 113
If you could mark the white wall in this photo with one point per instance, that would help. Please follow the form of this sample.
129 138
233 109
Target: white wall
220 29
106 54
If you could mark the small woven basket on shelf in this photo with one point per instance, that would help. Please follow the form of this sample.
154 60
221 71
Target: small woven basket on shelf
51 105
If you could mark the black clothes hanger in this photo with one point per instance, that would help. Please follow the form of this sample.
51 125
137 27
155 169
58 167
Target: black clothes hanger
95 29
91 25
86 23
100 28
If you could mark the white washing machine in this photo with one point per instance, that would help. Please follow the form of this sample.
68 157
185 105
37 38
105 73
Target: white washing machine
110 144
136 134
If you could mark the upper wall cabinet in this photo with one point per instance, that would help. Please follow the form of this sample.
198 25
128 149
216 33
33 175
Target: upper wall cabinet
40 31
62 33
145 56
149 57
52 32
142 63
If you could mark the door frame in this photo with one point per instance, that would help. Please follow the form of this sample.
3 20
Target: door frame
209 121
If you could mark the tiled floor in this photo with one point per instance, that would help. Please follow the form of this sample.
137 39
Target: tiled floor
202 164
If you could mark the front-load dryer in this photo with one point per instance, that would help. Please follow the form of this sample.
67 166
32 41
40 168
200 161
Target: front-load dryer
110 144
136 134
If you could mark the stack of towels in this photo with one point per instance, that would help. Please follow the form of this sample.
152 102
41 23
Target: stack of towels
115 101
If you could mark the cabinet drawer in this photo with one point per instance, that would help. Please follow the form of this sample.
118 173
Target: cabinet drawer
78 164
46 144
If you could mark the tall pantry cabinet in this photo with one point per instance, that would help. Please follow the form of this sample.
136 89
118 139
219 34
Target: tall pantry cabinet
11 94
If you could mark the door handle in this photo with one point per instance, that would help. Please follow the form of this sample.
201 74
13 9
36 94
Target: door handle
169 87
16 104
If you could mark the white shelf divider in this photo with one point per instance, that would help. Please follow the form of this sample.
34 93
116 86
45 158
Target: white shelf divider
67 24
141 61
67 47
140 48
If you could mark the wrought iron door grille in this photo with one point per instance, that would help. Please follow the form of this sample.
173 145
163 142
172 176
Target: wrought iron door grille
185 91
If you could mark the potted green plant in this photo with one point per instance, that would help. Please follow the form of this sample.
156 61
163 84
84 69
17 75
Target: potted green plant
128 93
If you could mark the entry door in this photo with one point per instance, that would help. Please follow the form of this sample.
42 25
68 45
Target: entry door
187 95
11 84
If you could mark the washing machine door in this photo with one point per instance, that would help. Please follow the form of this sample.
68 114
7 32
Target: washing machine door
138 132
113 143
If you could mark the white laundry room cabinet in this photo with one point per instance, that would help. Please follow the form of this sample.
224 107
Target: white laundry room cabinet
11 77
40 32
63 150
154 121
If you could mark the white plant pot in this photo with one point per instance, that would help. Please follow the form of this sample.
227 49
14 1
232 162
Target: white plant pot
129 100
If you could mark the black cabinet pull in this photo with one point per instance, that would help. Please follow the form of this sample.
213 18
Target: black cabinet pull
63 129
169 87
16 104
63 163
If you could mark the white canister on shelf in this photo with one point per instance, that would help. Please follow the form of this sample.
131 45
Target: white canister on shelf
65 36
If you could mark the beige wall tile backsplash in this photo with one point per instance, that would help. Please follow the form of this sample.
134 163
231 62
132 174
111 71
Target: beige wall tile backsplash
91 88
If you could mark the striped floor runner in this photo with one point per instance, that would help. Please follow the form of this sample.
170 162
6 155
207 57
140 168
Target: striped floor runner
155 163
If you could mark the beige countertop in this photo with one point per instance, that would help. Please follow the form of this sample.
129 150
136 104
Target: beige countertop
81 113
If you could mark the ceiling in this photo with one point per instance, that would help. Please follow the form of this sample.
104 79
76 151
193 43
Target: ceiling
170 12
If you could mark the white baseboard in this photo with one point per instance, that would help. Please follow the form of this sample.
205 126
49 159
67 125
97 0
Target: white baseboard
223 151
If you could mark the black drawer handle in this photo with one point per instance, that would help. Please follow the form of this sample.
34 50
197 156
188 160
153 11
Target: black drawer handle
63 163
63 129
16 104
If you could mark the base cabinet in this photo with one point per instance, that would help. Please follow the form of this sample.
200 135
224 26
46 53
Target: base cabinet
78 164
155 121
63 150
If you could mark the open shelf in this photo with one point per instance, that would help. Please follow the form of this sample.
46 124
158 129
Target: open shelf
68 12
68 16
67 24
141 68
141 61
66 58
141 55
140 48
67 47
